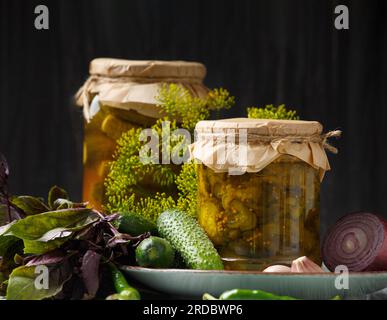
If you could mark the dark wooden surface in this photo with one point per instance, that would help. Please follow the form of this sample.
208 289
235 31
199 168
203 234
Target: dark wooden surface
262 51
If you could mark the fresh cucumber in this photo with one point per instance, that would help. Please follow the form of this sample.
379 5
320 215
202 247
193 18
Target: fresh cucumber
189 239
134 224
155 252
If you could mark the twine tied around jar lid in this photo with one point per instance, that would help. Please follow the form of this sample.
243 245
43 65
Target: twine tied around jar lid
132 84
326 136
317 138
220 144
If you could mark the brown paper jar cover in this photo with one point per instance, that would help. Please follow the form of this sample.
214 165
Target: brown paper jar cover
217 143
134 84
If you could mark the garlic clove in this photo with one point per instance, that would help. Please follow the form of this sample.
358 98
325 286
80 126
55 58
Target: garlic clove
305 265
277 268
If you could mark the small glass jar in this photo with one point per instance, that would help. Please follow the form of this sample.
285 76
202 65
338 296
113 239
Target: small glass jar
118 96
268 212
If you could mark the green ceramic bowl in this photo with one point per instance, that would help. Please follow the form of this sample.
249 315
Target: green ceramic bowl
193 283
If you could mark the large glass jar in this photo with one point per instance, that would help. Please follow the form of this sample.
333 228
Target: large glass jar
268 211
118 96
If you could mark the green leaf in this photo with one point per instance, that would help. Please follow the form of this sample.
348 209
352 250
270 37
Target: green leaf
51 240
22 286
30 205
39 247
54 194
35 227
46 231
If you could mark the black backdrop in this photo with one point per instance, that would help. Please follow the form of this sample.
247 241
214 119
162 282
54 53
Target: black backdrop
264 51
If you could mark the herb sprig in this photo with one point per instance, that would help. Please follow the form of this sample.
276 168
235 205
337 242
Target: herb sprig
272 112
127 184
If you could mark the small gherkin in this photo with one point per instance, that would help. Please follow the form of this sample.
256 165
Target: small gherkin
189 239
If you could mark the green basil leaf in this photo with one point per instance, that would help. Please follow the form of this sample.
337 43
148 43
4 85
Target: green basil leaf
39 247
54 194
22 282
35 227
47 231
57 233
30 205
51 240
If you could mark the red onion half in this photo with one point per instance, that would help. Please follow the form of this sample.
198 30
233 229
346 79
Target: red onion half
357 241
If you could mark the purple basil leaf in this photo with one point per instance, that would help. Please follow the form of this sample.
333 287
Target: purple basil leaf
90 272
120 238
8 214
53 257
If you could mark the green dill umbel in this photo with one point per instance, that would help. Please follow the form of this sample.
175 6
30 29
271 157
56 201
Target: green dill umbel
134 186
178 103
271 112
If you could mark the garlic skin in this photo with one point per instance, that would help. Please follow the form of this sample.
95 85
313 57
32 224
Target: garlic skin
305 265
277 268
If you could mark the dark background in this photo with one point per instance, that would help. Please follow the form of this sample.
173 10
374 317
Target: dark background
262 51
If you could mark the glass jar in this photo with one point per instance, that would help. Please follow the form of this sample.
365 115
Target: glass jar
268 212
118 96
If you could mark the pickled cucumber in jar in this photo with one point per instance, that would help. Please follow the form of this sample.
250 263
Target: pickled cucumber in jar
258 219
